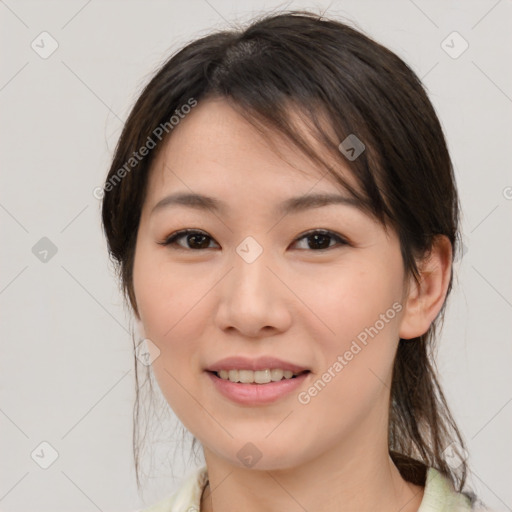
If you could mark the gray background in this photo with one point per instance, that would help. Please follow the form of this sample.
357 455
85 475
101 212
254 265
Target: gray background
66 371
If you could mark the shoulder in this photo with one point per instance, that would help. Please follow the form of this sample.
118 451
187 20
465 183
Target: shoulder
187 498
440 496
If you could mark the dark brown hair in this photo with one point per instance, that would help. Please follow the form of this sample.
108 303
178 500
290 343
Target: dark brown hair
301 62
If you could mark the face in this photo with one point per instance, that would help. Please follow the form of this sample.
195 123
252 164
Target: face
317 287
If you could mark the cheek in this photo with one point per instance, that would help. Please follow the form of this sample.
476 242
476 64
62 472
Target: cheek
355 299
169 304
361 309
165 295
169 311
173 305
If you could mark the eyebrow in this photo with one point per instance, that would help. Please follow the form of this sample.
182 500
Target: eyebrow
291 205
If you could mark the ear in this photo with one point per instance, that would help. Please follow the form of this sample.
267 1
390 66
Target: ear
423 301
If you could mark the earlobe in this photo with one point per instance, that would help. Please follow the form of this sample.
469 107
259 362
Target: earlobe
425 299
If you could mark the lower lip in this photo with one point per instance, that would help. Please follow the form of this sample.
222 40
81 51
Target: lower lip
256 394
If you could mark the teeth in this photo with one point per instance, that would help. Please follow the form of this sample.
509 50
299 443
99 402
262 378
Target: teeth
258 377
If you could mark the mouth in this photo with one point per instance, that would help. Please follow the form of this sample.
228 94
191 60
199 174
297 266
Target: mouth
256 388
265 376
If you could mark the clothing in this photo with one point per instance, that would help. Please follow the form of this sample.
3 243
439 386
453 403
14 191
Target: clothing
439 495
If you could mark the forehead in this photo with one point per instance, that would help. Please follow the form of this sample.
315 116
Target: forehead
215 147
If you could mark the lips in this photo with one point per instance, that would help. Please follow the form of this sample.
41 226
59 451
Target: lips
253 395
254 364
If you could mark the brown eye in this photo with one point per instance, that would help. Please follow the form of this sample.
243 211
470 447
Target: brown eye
194 240
317 240
321 239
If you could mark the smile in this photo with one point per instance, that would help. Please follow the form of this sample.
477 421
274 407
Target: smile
245 389
258 377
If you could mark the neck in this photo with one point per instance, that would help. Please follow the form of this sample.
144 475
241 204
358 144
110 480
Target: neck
359 480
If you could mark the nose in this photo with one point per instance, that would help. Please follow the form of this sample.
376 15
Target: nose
253 300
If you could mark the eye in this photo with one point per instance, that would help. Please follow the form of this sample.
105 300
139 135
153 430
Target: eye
320 239
197 240
317 240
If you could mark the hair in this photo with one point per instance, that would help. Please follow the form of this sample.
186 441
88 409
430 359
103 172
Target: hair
299 62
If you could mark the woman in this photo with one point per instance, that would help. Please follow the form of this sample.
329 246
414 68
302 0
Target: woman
282 209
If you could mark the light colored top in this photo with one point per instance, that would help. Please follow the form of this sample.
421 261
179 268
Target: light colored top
439 495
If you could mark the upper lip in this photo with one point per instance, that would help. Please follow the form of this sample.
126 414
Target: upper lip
255 364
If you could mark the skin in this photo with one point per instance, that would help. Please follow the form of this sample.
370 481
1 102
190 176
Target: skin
294 302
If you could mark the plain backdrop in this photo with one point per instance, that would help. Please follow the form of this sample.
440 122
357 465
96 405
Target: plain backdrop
66 366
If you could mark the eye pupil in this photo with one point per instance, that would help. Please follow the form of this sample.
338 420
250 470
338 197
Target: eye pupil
195 237
324 238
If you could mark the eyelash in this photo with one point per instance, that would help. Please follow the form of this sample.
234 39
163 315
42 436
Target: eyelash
171 240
